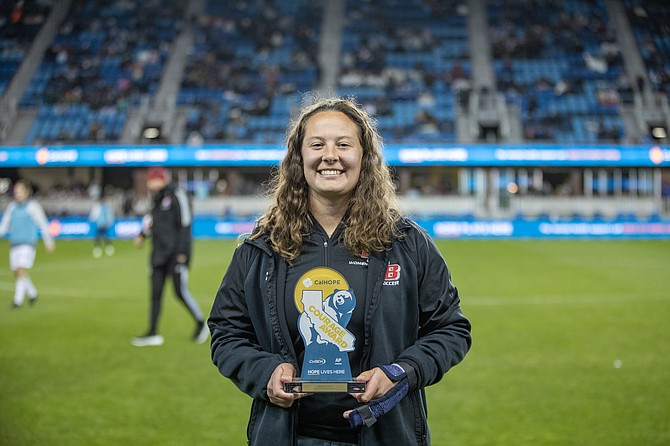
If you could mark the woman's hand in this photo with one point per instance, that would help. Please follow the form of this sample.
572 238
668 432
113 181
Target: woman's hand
387 386
283 373
377 385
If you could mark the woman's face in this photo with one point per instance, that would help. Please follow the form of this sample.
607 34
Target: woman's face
332 155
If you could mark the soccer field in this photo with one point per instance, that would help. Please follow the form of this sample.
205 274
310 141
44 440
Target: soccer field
571 347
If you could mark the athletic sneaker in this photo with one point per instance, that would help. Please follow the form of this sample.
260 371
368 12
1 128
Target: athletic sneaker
109 250
32 300
147 341
97 252
201 333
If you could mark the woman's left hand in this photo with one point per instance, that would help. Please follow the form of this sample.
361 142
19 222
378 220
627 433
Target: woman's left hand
386 386
377 385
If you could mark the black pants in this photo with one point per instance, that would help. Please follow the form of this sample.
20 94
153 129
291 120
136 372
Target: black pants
159 275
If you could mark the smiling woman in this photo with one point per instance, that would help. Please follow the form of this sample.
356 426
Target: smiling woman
371 206
303 292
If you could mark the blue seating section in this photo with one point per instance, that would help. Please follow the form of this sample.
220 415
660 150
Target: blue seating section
404 61
562 69
105 57
19 24
650 22
76 122
249 63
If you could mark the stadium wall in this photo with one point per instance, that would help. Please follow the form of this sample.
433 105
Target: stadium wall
209 228
457 215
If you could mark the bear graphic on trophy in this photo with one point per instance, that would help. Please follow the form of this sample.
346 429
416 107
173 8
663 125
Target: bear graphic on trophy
338 306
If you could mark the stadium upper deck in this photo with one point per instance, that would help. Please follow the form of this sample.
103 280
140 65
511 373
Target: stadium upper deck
426 69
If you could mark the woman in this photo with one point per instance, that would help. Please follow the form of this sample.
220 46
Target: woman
334 219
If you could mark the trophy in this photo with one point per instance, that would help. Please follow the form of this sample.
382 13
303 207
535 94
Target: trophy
325 302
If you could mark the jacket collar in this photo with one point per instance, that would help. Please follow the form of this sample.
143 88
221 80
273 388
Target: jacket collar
263 243
403 225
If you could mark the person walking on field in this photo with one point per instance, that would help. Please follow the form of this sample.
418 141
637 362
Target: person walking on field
169 226
102 216
24 219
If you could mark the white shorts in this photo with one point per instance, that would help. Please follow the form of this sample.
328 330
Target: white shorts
21 256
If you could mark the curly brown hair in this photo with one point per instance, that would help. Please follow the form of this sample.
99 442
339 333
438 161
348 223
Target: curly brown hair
373 212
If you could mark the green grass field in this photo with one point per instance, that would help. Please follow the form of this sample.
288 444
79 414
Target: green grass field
571 347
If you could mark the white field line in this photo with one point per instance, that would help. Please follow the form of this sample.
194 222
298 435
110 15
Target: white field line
81 265
469 301
78 265
7 284
46 290
7 281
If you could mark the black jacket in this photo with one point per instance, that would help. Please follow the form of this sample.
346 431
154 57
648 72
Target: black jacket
170 226
416 322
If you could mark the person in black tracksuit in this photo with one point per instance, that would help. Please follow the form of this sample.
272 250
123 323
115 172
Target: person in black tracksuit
169 226
332 192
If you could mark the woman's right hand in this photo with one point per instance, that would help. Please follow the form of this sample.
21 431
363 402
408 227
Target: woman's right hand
283 373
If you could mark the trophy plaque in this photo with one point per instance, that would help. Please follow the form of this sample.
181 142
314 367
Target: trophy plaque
325 302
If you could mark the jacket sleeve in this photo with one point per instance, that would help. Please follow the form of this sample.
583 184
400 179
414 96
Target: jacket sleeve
185 221
444 332
236 350
4 223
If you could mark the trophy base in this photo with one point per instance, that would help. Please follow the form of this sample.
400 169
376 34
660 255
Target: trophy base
299 386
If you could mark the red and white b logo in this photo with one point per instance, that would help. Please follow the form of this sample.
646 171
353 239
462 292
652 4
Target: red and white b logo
392 272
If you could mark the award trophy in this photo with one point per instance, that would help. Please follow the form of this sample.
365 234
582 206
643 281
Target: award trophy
325 310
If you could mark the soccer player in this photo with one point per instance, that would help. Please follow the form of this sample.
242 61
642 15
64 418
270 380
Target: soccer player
334 247
169 226
24 219
102 216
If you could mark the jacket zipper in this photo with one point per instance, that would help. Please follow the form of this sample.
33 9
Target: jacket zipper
420 417
325 253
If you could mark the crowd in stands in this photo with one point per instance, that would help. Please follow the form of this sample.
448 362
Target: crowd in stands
407 61
564 69
249 60
650 21
20 21
105 57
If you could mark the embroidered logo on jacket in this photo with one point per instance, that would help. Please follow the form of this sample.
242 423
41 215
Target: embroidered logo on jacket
392 275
